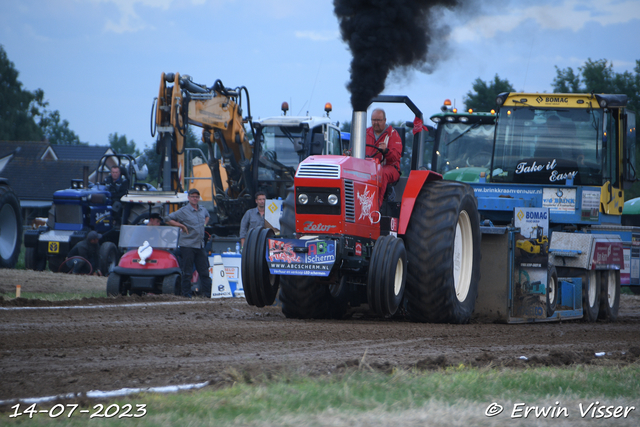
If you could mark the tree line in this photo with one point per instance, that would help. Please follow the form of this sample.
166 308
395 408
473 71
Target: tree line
25 115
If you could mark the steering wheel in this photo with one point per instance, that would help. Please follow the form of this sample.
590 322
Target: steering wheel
478 156
377 148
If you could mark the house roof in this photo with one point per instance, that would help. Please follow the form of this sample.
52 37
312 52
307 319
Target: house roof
83 152
35 177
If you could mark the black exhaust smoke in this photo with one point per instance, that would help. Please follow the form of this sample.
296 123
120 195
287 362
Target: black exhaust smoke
384 35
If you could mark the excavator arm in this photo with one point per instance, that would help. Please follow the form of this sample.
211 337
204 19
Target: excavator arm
217 110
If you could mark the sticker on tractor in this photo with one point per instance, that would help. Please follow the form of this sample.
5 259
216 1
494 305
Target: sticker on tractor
300 257
559 199
54 247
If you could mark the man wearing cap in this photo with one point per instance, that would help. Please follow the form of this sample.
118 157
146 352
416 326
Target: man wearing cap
87 249
155 220
192 219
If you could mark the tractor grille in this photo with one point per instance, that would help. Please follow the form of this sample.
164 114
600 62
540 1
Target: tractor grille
349 202
316 170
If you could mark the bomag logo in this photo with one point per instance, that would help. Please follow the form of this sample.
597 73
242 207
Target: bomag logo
520 215
552 100
536 215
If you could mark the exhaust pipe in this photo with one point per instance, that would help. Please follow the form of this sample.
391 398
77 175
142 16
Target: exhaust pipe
359 134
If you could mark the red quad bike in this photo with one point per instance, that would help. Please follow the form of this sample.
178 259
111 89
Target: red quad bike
148 266
338 249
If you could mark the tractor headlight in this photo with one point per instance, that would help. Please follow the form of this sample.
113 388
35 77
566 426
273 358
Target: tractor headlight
464 119
303 199
451 119
332 199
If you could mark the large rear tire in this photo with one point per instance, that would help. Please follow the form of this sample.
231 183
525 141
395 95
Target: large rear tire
171 284
259 284
108 258
609 295
10 227
387 275
590 296
443 250
33 260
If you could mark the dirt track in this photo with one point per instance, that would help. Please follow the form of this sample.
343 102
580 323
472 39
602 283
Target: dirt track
112 343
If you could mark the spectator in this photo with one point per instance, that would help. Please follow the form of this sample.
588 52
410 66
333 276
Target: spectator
192 219
88 249
384 144
253 218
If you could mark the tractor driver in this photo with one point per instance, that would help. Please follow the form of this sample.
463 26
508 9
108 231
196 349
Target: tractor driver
388 151
118 185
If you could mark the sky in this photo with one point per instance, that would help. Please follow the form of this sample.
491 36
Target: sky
99 62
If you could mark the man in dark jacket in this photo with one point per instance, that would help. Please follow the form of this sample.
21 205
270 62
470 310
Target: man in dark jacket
118 185
88 251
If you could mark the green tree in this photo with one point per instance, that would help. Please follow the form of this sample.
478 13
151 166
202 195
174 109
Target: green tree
483 96
56 131
120 145
599 77
19 108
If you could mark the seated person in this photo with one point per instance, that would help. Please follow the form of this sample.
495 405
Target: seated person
155 220
388 151
87 251
118 185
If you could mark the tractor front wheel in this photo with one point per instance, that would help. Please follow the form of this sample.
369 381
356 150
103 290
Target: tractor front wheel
260 286
108 257
387 275
443 250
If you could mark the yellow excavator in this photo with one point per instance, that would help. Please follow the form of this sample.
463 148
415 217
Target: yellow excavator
235 168
218 111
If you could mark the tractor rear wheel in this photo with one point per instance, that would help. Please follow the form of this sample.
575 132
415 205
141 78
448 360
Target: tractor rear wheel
443 250
171 284
552 290
387 275
590 296
609 295
114 286
108 257
260 286
10 227
33 260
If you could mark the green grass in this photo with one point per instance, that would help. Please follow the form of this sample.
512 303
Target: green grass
458 396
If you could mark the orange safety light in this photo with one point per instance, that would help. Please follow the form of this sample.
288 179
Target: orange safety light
493 111
327 107
455 110
470 110
447 102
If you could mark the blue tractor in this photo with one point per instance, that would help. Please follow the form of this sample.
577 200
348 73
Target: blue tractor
85 206
549 179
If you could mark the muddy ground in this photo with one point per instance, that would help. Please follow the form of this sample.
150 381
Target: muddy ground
111 343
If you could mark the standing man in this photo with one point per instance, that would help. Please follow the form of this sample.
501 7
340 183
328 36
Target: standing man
389 149
253 218
192 219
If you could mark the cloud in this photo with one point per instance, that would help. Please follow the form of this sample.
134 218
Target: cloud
129 21
318 36
571 14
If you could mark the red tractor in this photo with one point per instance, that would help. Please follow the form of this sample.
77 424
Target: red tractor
339 249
